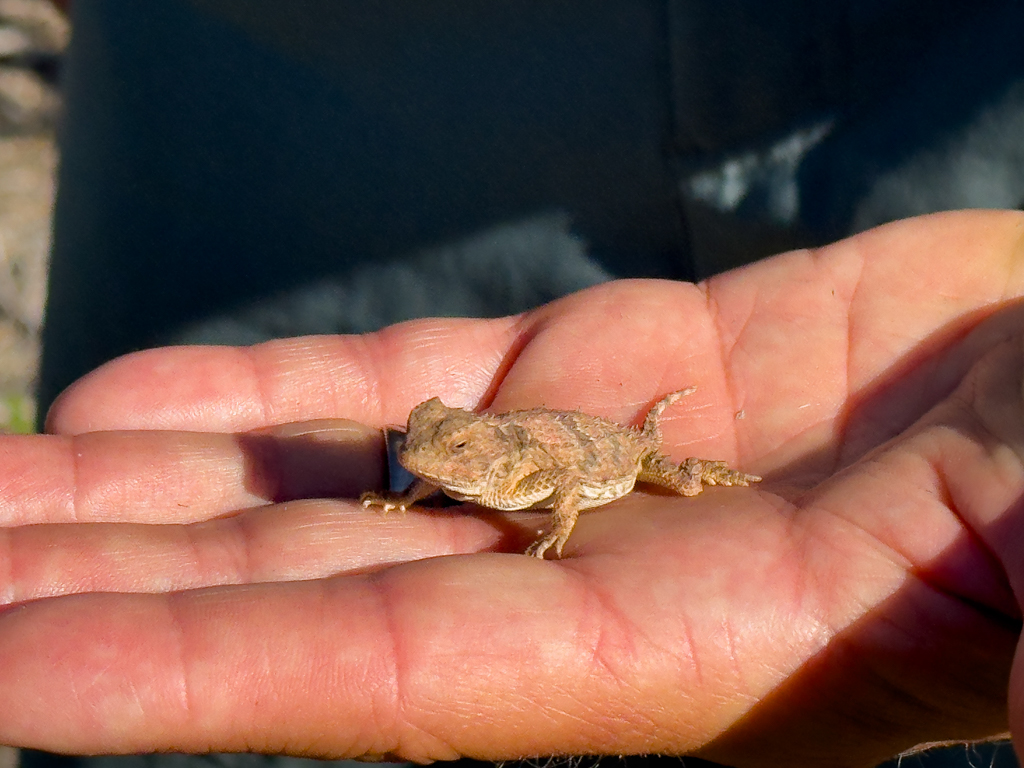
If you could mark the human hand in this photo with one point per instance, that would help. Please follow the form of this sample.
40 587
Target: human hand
861 600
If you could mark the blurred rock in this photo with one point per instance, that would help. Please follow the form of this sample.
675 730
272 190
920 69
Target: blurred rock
32 35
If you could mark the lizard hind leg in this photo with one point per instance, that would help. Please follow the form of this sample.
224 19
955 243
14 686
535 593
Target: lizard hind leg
690 477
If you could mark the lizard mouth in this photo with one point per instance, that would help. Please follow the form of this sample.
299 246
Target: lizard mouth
433 477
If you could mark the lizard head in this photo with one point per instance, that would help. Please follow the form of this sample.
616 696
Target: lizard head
453 448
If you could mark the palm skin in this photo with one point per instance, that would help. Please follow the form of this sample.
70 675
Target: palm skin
864 598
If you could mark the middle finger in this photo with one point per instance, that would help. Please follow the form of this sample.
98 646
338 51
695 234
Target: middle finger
182 477
281 542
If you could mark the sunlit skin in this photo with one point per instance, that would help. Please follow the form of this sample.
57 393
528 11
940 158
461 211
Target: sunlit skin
864 598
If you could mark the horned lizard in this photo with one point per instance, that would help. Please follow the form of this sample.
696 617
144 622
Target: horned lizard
565 461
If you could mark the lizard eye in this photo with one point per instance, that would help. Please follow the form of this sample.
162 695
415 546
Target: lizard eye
459 445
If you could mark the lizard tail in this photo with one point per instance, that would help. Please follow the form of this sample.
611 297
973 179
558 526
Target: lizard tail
652 428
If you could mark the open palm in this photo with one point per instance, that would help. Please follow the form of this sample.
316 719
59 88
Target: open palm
186 568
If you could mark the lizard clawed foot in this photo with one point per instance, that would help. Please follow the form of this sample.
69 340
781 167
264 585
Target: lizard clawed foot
538 548
554 540
718 473
390 501
690 477
386 503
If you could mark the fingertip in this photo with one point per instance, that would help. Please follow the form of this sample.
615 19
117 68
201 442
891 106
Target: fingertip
374 378
199 388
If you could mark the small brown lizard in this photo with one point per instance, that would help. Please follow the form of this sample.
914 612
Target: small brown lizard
565 461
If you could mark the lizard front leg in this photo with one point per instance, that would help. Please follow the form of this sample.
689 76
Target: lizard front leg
565 511
419 490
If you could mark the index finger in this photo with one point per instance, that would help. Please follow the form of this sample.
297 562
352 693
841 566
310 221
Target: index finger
369 378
